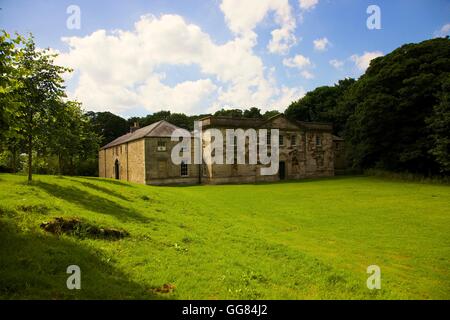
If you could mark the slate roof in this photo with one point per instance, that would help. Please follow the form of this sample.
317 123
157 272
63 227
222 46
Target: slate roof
158 129
221 121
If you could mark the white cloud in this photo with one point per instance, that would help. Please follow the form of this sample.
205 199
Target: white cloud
444 31
362 61
298 62
242 17
321 44
308 4
301 63
337 64
118 71
306 74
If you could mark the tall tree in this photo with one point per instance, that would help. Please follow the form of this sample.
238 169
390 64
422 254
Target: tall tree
108 125
233 113
322 104
391 103
9 137
439 124
253 112
41 86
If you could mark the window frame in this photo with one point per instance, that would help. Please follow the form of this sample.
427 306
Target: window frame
184 168
161 145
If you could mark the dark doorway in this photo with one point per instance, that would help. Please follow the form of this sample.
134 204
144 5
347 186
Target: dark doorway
282 170
117 169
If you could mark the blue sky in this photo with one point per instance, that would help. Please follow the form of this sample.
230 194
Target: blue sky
198 56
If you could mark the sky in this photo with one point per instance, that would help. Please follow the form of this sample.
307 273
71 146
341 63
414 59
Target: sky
137 57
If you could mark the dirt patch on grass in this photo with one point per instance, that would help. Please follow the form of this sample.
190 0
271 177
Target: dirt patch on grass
34 208
165 288
77 227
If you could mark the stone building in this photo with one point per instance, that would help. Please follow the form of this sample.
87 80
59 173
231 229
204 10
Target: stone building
144 155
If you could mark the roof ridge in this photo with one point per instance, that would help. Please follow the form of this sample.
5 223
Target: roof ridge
153 126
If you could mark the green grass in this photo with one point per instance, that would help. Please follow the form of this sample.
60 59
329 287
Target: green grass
309 239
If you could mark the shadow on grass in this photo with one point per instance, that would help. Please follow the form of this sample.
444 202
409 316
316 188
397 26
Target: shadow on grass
313 179
111 181
33 266
91 202
98 188
294 181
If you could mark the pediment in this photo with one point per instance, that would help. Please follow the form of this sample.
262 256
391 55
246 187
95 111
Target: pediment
280 122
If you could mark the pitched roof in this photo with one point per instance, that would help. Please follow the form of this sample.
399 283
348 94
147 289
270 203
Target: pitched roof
221 121
224 121
336 138
158 129
321 126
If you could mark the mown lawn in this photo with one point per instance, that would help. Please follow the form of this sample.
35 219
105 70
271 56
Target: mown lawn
310 239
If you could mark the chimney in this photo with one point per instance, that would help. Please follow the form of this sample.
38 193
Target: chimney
134 127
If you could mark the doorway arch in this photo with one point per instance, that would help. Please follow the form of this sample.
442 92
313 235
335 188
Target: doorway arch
117 169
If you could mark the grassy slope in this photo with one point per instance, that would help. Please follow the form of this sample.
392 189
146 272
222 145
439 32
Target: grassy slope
299 240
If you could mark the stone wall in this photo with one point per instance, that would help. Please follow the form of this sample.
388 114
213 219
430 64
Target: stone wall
130 157
159 168
310 156
141 161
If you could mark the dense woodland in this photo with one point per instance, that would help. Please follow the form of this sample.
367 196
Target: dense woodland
395 117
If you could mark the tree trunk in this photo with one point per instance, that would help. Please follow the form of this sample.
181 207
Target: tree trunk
30 145
14 159
71 166
60 164
30 157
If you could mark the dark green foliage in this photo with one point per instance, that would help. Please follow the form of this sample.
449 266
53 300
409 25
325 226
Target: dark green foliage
233 113
324 105
36 119
253 113
396 116
108 125
392 102
439 124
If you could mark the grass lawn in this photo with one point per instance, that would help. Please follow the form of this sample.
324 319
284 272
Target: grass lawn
309 239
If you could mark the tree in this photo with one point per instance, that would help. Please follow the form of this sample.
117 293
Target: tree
439 124
108 125
233 113
390 104
270 114
253 113
41 86
71 136
9 52
321 105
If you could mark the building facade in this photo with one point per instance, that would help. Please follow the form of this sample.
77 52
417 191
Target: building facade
306 149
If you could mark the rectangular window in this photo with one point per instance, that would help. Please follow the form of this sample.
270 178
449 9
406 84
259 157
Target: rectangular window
269 137
281 140
318 141
161 145
293 140
184 169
